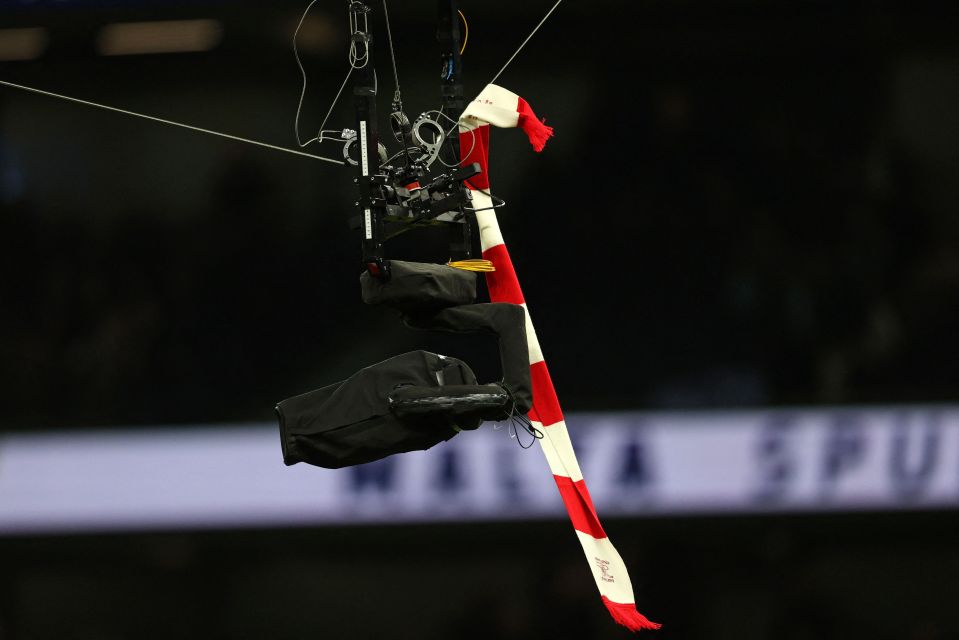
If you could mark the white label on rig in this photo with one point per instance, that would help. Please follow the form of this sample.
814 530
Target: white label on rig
368 219
364 157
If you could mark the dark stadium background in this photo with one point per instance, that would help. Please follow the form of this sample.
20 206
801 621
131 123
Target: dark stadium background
746 204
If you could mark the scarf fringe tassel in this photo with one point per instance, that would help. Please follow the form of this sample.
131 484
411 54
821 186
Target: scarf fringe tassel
537 132
628 616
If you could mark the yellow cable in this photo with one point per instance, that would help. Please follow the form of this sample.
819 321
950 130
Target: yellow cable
475 264
467 27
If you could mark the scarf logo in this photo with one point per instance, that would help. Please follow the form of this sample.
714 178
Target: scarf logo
603 566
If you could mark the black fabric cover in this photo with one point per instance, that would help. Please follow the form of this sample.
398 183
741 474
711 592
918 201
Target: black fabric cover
418 286
350 422
416 400
503 319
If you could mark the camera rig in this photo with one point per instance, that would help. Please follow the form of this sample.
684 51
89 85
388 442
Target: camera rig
398 193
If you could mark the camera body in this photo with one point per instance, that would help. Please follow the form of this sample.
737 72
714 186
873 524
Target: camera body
397 199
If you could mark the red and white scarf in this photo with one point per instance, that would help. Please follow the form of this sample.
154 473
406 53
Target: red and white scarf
501 108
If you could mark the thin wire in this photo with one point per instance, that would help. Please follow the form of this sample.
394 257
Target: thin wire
472 132
397 97
299 63
528 38
497 202
527 426
398 154
354 29
472 142
319 137
472 264
466 26
518 420
169 122
353 59
495 78
389 37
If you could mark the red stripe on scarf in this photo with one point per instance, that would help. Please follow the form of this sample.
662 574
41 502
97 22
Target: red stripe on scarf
534 128
504 287
474 147
580 507
546 408
503 284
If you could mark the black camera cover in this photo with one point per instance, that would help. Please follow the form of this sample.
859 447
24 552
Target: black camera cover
415 400
350 422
